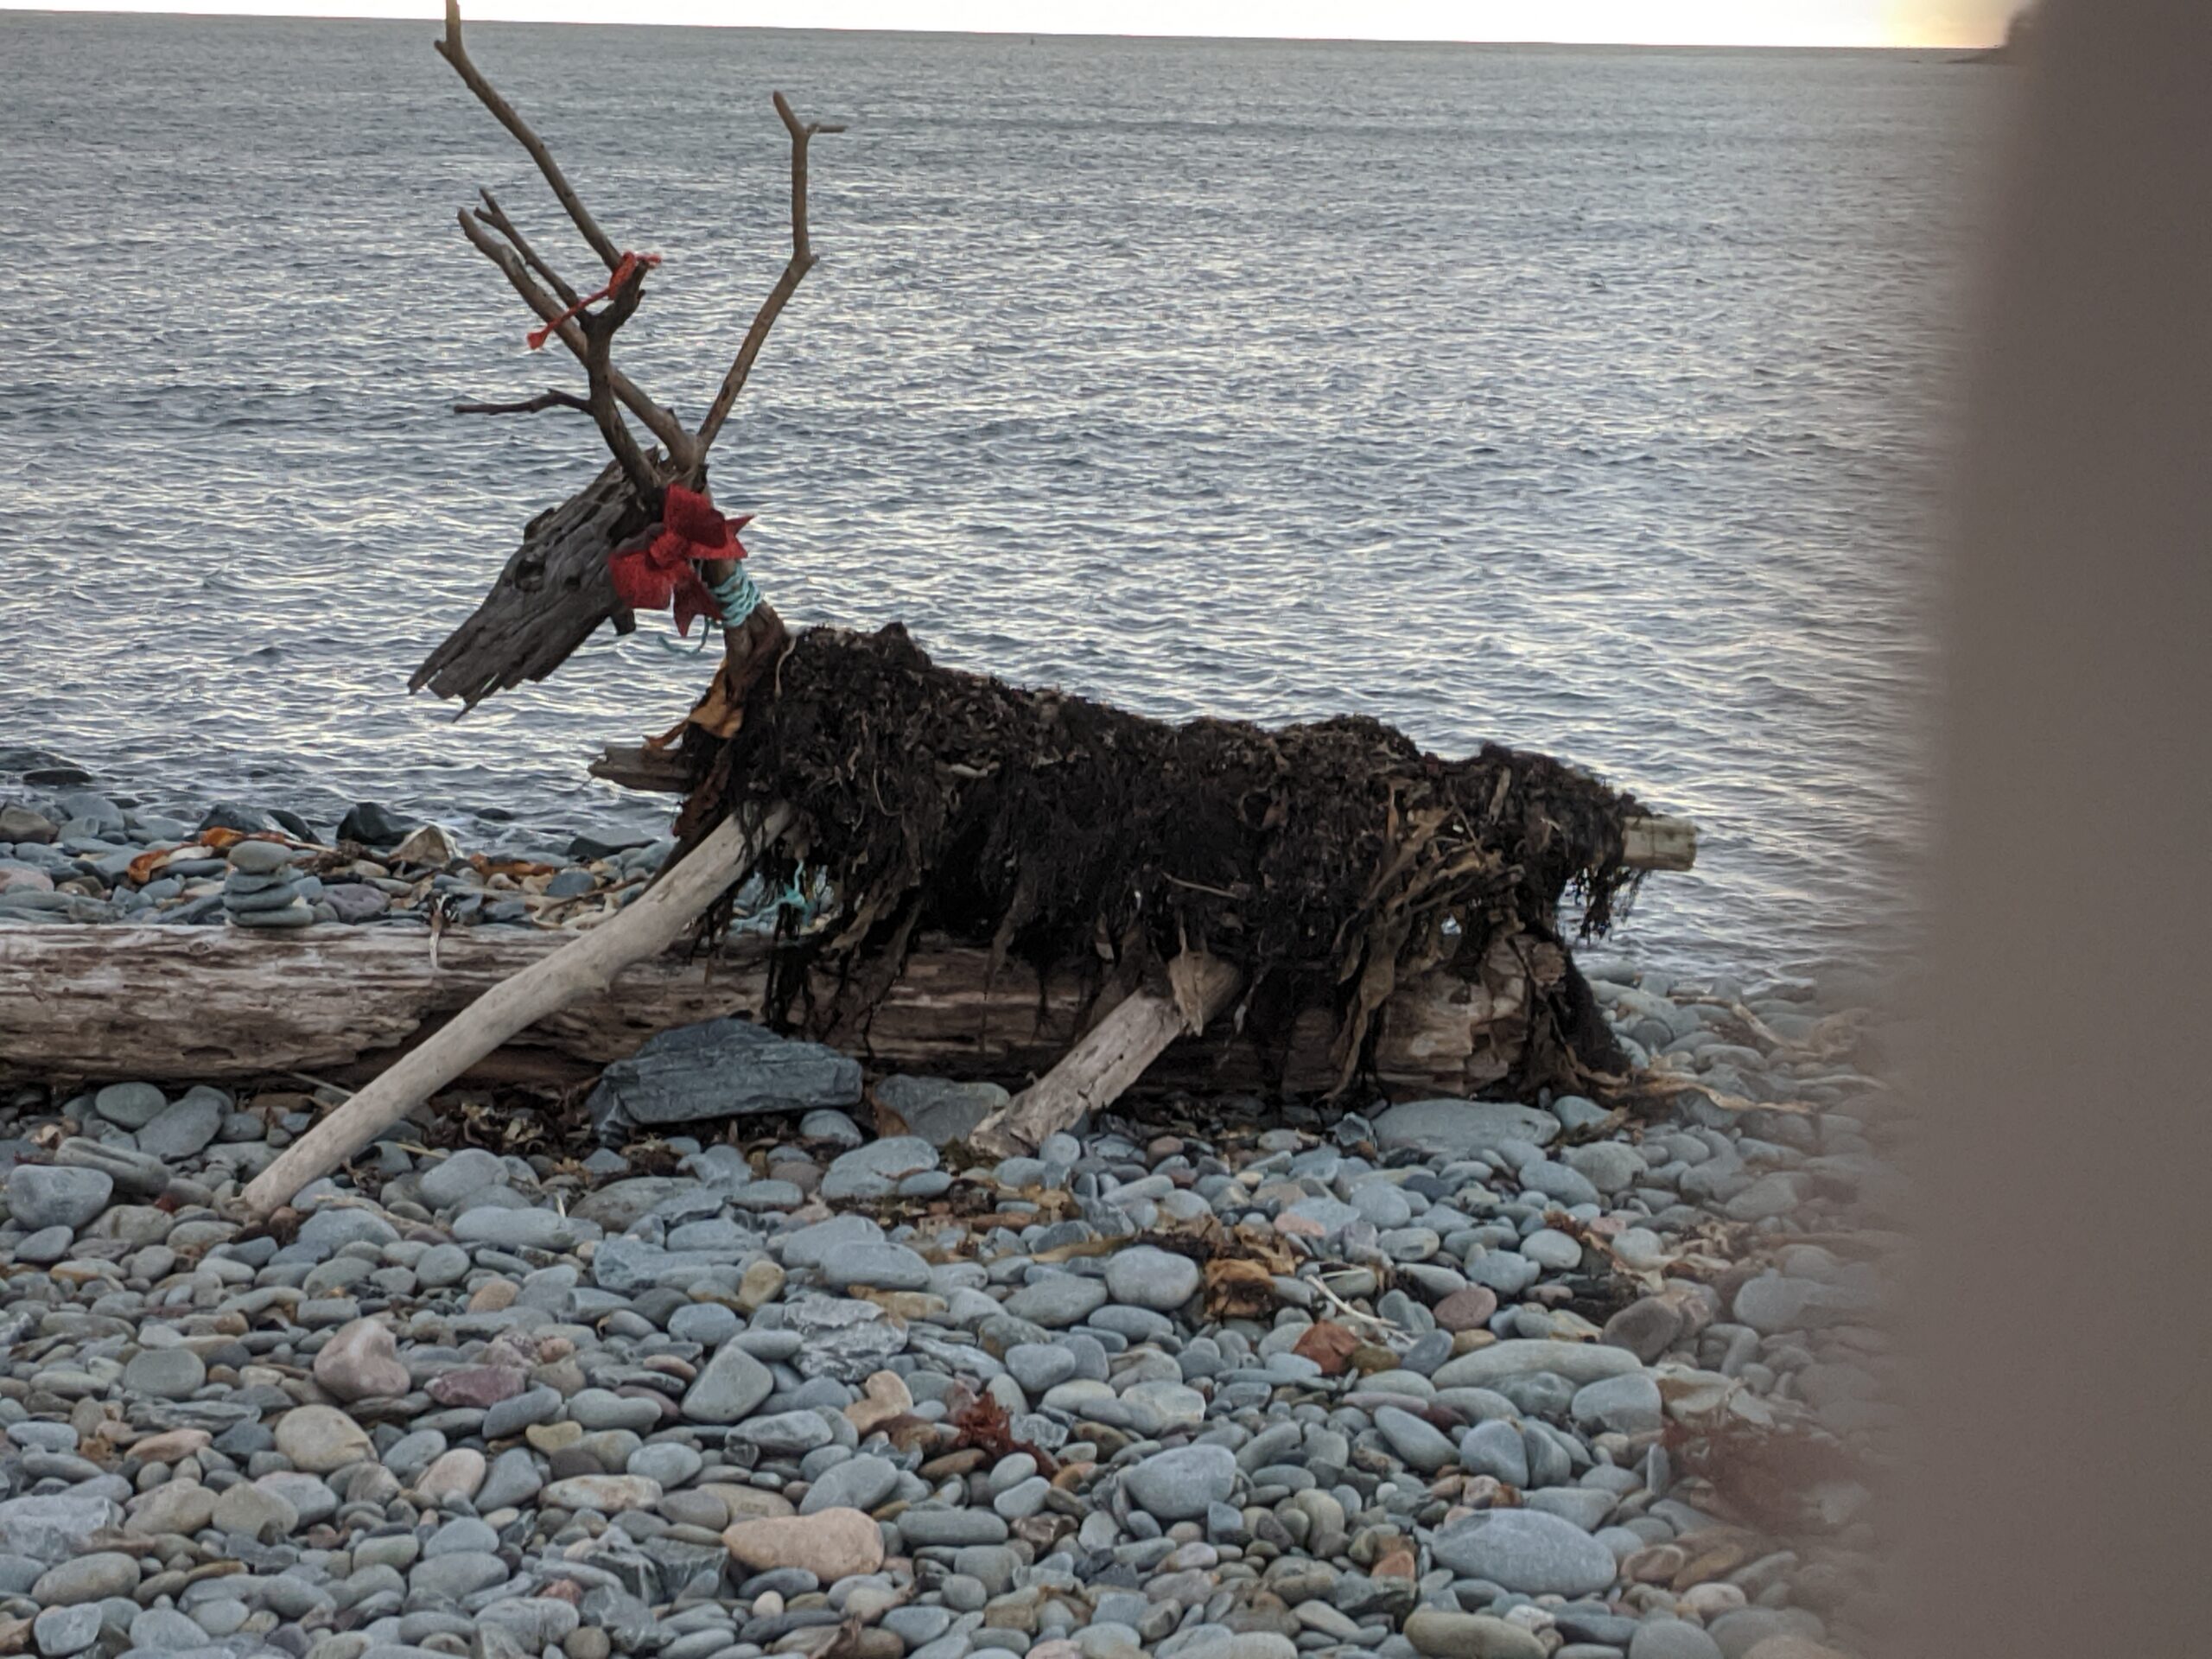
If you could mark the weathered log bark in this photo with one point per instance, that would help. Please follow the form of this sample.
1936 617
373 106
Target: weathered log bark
190 1004
586 964
1108 1062
641 767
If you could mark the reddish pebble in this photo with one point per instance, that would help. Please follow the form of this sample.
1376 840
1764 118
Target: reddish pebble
1466 1310
481 1386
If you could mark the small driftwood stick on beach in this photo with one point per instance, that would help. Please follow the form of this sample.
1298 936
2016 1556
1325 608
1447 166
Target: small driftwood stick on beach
587 965
1113 1056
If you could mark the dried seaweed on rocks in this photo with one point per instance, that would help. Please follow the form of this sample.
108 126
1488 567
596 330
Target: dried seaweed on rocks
984 1424
1328 861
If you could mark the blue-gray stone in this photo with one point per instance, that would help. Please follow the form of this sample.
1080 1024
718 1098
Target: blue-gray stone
163 1630
858 1483
1418 1443
515 1229
449 1577
327 1231
1525 1550
708 1324
1556 1181
1148 1277
873 1266
1056 1300
463 1535
669 1462
1039 1366
129 1105
788 1432
1332 1215
728 1388
875 1170
939 1111
1495 1448
1672 1638
1461 1128
1624 1405
60 1631
717 1068
1178 1484
49 1195
926 1529
513 1479
186 1128
464 1175
42 1249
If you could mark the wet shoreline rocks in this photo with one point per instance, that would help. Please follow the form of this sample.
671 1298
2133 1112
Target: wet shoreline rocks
78 854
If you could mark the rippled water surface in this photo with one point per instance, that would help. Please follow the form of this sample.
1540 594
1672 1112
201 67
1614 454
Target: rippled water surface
1577 399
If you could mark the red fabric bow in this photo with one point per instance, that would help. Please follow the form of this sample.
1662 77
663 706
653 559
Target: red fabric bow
623 267
659 567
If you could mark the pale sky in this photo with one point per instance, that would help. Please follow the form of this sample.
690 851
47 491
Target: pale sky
1683 22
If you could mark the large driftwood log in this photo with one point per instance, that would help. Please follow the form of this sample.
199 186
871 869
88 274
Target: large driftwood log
192 1004
585 965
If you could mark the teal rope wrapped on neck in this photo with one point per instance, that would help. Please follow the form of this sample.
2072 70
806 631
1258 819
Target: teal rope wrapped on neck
737 596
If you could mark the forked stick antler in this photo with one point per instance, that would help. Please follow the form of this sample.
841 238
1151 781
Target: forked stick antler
456 54
589 335
801 261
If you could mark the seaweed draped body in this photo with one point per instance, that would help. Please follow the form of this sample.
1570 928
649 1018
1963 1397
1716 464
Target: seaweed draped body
1327 861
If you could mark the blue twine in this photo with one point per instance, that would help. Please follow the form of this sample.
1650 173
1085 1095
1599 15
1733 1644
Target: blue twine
739 599
737 596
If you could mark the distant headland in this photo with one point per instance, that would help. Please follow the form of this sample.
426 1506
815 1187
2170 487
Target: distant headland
2019 44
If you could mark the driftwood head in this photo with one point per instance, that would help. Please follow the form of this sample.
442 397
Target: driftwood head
556 592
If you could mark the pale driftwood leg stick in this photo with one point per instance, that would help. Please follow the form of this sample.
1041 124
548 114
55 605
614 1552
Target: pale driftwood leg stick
1111 1056
648 927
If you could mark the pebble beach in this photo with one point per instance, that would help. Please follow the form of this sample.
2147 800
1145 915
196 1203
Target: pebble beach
1208 1380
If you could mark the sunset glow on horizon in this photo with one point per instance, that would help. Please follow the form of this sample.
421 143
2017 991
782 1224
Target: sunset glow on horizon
1928 23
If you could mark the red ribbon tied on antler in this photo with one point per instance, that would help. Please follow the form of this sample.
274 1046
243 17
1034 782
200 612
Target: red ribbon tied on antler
660 568
624 268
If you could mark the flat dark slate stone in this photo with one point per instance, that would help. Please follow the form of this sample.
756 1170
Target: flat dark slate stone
721 1068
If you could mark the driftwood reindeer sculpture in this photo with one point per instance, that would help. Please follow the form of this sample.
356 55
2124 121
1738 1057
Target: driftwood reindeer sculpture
1012 875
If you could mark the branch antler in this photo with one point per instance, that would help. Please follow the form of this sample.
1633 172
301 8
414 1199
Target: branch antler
495 236
551 397
801 261
456 54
